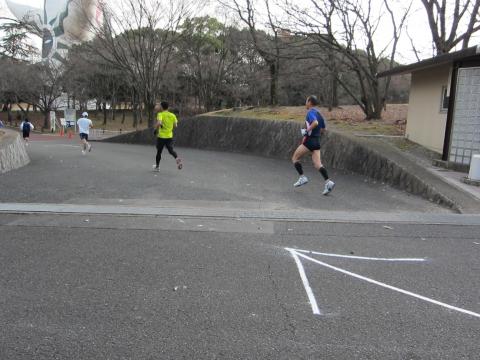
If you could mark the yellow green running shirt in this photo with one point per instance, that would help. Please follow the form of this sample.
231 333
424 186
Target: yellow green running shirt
168 120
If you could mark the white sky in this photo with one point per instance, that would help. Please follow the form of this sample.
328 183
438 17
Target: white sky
417 28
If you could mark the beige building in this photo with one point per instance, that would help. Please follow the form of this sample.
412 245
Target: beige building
444 105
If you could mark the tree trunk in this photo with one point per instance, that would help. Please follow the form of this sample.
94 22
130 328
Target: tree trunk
104 108
333 72
273 83
113 105
98 105
333 93
135 115
374 108
150 111
9 113
46 119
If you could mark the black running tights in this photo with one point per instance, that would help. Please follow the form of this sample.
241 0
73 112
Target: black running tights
161 143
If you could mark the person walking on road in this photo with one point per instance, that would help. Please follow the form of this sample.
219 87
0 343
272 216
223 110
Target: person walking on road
26 126
315 127
166 122
84 125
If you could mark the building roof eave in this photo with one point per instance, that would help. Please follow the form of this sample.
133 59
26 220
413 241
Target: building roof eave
471 52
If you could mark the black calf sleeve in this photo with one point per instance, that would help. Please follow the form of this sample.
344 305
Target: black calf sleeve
324 173
298 166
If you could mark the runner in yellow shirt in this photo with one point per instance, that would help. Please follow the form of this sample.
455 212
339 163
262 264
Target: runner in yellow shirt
166 122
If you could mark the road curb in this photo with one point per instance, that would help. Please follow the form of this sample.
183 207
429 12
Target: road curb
325 216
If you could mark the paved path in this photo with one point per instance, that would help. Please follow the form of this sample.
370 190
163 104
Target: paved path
122 174
209 270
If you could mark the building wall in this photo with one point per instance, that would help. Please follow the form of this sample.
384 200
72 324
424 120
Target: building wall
426 121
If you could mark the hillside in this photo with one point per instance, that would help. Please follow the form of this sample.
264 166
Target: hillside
346 118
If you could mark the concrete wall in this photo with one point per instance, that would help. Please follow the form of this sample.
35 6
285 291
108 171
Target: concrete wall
13 153
279 139
426 122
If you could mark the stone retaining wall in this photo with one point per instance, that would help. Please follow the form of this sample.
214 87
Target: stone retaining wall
278 139
13 153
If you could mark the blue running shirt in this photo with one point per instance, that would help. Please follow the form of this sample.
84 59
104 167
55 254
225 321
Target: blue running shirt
312 116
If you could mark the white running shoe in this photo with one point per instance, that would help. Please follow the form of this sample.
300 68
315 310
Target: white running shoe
156 168
302 180
89 148
329 185
83 152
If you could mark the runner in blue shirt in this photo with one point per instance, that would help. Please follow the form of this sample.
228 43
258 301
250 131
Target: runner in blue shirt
314 128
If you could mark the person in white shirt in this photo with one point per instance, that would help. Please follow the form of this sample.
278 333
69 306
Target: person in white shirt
84 125
26 126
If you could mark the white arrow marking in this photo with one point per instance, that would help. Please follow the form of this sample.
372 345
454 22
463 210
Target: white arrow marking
306 284
358 257
372 281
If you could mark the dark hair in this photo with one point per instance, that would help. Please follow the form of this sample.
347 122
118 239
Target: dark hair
313 100
164 105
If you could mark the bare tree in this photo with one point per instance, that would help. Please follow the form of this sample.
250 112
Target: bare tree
89 77
445 24
268 50
138 38
348 29
39 85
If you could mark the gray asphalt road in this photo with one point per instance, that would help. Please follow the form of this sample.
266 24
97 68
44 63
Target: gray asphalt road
170 288
122 174
85 286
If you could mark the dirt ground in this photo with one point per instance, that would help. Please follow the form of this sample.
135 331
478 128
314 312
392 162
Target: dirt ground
346 118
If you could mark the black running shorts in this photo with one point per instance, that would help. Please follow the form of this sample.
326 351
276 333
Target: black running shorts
26 134
311 143
83 136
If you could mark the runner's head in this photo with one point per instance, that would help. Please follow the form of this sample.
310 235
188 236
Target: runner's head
311 101
164 105
85 114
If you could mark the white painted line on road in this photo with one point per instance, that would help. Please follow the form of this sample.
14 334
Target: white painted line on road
360 257
379 283
306 284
